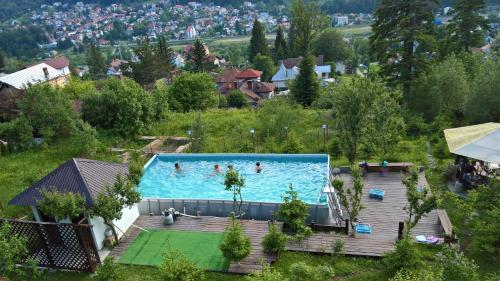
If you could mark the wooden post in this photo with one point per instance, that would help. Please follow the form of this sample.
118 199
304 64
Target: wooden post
346 227
400 229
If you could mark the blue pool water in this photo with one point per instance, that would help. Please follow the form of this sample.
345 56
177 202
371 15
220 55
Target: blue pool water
198 180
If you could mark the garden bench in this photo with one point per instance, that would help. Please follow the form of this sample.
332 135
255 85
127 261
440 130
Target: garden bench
445 222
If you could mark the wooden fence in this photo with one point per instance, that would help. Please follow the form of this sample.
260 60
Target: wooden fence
58 245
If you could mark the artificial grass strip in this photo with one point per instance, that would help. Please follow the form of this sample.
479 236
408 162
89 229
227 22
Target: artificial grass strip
199 247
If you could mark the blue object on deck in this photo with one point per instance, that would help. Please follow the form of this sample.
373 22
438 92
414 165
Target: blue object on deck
376 193
363 228
323 199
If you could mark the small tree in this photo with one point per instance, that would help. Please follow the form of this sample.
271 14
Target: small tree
108 271
294 211
96 62
235 246
350 198
176 267
198 134
305 87
274 241
198 56
419 200
264 64
109 204
234 182
62 205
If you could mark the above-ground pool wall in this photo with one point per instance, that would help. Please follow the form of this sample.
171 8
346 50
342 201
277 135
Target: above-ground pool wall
222 208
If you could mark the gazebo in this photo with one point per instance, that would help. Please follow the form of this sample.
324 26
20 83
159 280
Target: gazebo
87 178
480 142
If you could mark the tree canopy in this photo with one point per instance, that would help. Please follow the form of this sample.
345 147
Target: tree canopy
264 64
467 27
402 39
280 51
258 42
331 44
120 105
96 62
192 91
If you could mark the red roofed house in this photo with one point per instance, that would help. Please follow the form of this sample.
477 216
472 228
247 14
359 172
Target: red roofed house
248 82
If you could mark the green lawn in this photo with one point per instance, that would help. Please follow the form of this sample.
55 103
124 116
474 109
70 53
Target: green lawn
199 247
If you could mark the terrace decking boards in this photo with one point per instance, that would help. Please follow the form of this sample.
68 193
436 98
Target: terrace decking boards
253 229
383 215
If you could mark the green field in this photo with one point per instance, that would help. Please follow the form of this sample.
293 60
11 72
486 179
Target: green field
199 247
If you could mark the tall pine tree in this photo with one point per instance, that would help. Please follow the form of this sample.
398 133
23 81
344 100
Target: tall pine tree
468 27
305 87
403 39
258 43
164 55
145 71
280 47
198 56
96 62
307 21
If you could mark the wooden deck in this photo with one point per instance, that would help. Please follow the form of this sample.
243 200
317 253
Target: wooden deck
253 229
383 215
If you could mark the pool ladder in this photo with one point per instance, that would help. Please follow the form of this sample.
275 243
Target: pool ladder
332 199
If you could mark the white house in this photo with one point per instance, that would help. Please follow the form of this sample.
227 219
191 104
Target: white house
289 69
343 20
87 178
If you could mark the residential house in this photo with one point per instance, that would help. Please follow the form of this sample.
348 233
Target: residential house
116 67
61 63
248 82
191 32
87 178
12 86
289 69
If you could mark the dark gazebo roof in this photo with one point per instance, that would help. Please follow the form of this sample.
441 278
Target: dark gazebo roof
81 176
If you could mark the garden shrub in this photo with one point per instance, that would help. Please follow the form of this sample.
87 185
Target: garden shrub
61 205
294 212
235 246
420 275
108 271
456 266
176 267
267 274
337 248
405 257
274 241
236 99
300 271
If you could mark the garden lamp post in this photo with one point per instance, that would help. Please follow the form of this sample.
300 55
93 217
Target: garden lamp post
252 133
325 136
190 134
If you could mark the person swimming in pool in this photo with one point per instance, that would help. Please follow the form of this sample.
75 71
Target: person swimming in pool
177 167
217 168
258 167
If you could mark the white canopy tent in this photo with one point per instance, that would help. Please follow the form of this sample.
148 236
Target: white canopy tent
480 142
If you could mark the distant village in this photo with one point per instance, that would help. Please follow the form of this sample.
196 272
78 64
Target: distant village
84 22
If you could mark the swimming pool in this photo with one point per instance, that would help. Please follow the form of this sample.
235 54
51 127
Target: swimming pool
198 180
